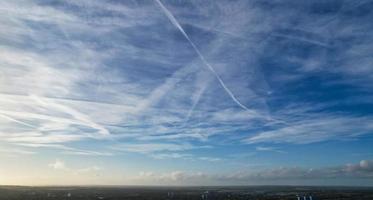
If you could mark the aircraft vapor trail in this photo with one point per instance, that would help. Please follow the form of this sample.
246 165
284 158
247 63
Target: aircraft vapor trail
17 121
199 94
178 26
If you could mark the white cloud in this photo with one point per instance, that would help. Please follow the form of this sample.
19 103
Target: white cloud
58 165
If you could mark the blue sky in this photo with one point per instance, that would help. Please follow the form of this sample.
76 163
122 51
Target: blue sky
186 92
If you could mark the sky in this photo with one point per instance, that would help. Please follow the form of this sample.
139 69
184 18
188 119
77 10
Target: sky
171 92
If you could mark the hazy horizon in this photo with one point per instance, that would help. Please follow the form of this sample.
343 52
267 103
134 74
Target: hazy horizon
191 186
170 92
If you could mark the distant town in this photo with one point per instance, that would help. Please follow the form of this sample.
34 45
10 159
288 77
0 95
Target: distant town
185 193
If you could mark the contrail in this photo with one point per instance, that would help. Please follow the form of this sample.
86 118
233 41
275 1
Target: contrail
178 26
198 97
303 39
17 121
82 118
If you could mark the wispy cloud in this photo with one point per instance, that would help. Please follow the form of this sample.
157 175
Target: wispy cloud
60 165
184 156
271 149
89 169
16 151
154 147
309 129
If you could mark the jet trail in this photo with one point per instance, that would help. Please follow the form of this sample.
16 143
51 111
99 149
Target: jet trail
199 94
17 121
80 117
178 26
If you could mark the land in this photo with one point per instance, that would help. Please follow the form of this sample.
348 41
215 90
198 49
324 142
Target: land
185 193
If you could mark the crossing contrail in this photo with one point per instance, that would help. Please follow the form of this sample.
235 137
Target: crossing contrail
178 26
